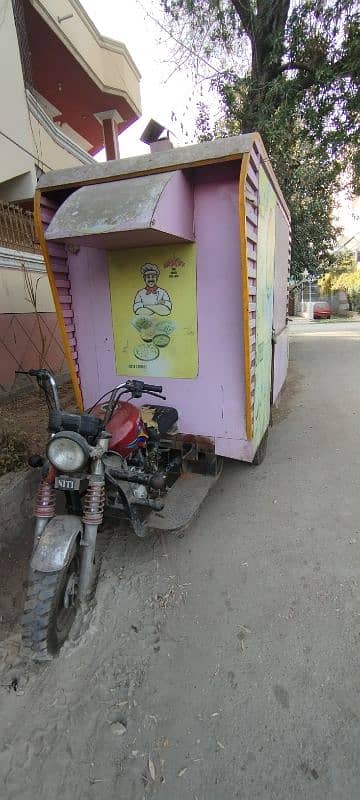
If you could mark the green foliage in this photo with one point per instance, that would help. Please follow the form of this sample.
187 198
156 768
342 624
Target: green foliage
325 283
349 282
343 264
301 93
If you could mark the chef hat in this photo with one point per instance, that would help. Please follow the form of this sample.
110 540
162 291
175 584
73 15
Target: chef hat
149 268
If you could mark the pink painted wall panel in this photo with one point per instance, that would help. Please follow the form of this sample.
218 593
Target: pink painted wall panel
213 403
238 449
281 270
175 210
92 318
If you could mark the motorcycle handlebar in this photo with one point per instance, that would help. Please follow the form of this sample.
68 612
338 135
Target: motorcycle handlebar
133 387
35 373
137 388
44 377
148 387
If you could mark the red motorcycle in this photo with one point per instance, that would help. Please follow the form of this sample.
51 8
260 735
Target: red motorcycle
117 459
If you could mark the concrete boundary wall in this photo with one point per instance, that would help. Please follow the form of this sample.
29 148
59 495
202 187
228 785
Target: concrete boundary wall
17 491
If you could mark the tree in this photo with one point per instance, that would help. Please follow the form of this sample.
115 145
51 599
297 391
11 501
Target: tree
348 281
300 92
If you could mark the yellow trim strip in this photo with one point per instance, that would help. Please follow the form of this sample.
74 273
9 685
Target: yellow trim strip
60 318
245 294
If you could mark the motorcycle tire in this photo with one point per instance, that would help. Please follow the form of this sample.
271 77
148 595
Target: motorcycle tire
46 620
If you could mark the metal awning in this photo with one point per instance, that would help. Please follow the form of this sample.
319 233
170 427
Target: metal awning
152 209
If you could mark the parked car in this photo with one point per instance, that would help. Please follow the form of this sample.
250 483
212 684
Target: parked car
322 310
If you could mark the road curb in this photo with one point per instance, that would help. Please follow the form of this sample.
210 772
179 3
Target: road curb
17 490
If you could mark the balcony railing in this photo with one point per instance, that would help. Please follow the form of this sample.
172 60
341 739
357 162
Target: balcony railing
17 230
55 131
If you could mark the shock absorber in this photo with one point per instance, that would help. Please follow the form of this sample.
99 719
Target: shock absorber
45 497
44 508
93 510
93 506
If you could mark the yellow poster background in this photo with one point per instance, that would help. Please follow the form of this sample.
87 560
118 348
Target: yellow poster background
157 339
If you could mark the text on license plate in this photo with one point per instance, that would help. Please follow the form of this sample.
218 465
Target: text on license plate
69 484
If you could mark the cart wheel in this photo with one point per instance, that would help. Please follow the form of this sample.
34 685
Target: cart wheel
219 466
50 608
214 466
261 451
208 465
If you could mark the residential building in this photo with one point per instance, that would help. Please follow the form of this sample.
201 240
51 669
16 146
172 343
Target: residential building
351 244
65 93
348 218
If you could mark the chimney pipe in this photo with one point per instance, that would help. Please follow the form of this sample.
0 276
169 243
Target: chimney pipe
151 136
162 144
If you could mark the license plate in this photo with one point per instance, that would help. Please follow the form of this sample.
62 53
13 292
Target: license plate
69 484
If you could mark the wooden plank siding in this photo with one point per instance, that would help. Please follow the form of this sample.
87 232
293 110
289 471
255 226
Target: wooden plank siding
57 268
252 213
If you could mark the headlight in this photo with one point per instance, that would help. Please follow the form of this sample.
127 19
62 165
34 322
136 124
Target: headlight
68 452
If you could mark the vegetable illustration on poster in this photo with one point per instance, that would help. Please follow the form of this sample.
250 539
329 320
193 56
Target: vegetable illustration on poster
154 311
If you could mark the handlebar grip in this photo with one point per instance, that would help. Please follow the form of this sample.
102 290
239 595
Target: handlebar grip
149 388
33 372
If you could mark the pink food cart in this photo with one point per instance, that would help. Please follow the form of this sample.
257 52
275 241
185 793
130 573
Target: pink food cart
173 266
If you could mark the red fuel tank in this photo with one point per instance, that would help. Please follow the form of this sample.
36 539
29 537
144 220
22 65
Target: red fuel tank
125 428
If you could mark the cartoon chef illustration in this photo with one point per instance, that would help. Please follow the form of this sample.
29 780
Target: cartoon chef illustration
151 299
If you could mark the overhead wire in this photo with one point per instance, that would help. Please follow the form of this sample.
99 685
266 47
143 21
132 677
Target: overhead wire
21 147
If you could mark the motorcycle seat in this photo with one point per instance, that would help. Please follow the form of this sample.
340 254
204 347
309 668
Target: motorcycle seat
159 420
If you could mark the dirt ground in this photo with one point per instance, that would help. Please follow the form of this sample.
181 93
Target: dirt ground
224 662
26 418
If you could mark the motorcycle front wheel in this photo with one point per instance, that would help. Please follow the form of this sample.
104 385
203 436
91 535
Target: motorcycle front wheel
50 608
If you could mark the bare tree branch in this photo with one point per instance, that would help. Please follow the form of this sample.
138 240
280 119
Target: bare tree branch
180 42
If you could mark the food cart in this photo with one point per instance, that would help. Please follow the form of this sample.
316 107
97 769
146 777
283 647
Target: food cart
173 267
169 274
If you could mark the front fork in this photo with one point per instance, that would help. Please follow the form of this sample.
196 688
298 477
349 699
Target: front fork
93 512
44 509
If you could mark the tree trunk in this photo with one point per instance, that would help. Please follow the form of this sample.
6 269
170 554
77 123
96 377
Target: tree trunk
266 32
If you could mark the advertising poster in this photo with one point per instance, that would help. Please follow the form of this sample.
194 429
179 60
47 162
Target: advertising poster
154 311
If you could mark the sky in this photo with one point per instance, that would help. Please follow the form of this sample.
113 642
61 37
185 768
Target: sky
161 92
165 92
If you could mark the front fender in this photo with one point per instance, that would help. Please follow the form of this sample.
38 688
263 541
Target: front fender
55 544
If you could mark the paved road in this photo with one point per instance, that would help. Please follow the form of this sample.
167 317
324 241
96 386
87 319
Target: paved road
231 655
